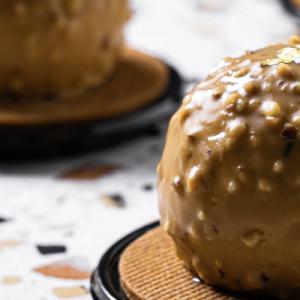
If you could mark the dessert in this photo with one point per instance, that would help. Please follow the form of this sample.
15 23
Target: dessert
296 3
229 178
114 99
59 47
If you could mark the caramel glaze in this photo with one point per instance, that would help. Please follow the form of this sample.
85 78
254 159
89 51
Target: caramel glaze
229 178
58 46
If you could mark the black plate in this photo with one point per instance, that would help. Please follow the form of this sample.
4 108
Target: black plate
105 282
291 9
66 139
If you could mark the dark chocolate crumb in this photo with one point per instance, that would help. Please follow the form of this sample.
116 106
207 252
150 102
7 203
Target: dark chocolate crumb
238 282
241 168
221 273
50 97
116 200
281 83
51 249
264 277
288 149
215 229
148 187
192 139
289 133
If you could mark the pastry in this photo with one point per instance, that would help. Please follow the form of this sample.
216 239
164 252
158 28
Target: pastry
229 178
58 47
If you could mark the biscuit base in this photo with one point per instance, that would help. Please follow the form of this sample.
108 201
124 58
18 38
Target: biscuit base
138 81
150 270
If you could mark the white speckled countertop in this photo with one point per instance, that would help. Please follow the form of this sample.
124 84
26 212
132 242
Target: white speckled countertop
41 209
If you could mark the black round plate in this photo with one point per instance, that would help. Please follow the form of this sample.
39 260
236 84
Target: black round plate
105 281
291 9
66 139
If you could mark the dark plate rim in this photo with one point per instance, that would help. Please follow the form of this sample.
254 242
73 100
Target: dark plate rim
102 283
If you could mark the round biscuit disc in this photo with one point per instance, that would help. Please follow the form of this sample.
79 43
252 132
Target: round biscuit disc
144 266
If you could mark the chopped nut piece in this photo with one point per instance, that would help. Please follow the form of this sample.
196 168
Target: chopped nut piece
232 187
200 215
240 73
254 140
232 99
241 173
271 109
250 88
183 115
218 92
187 99
236 129
195 178
278 167
264 186
253 238
254 104
294 40
267 87
296 121
284 70
274 122
178 186
296 88
241 105
167 226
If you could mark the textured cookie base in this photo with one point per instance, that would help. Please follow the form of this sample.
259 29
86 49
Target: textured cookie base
150 270
138 81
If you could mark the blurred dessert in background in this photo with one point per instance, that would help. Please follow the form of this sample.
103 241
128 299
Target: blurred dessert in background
229 178
296 3
59 47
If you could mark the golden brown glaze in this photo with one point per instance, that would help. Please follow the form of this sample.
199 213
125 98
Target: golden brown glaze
229 178
58 46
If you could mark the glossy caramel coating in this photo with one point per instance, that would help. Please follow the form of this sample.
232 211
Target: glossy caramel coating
58 46
229 178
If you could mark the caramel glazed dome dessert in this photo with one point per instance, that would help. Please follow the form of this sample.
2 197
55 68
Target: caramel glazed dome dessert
58 46
230 174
